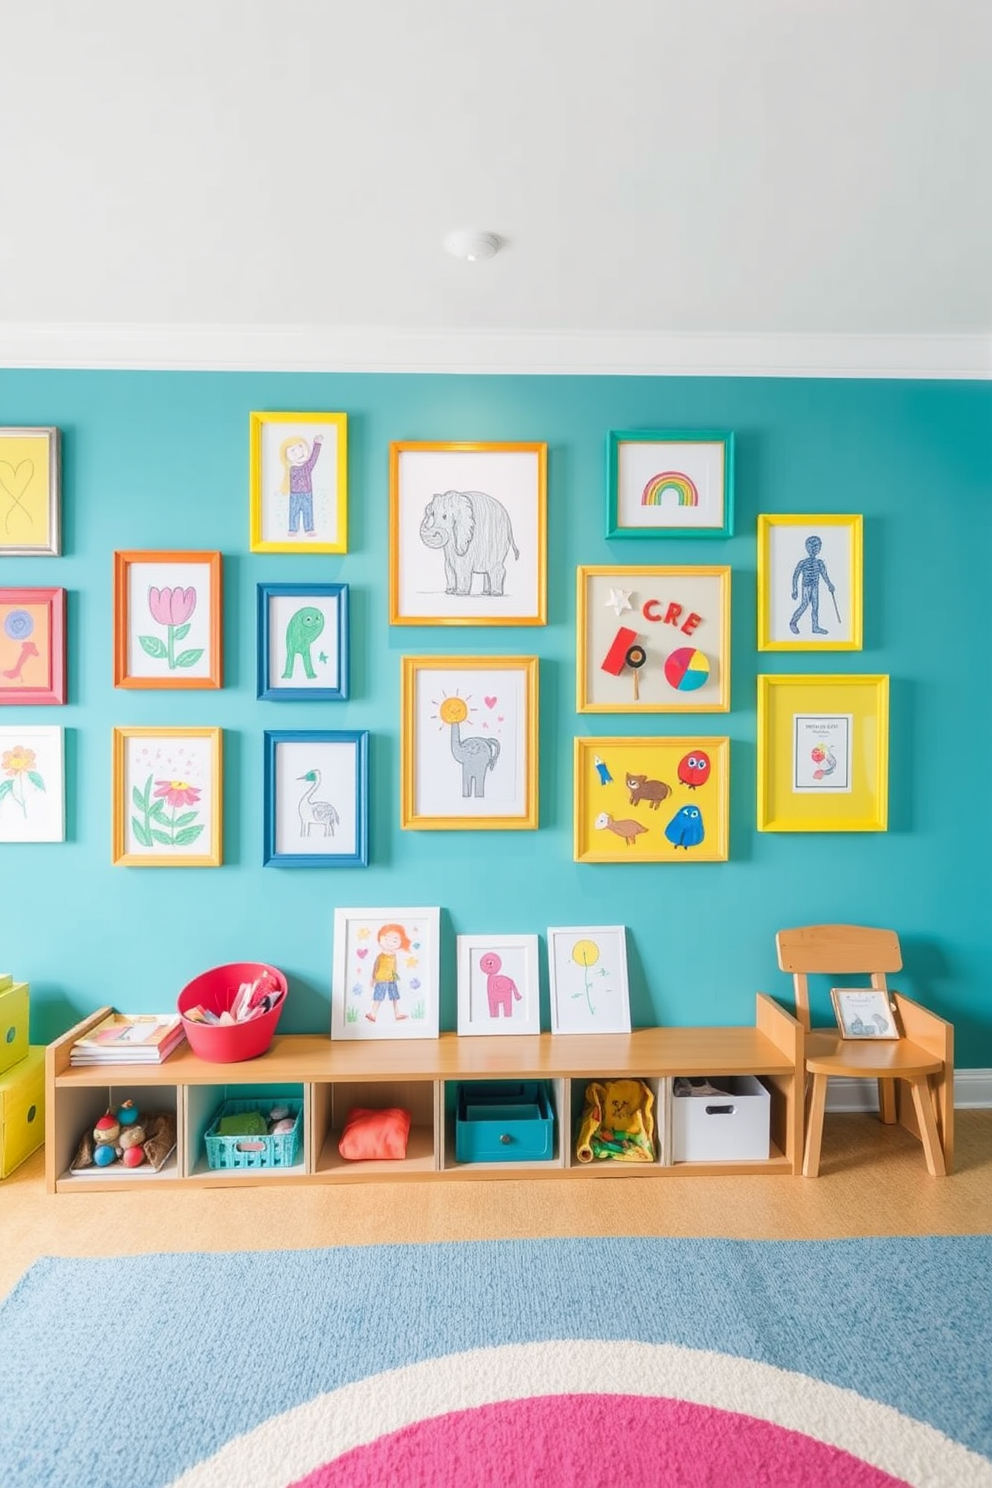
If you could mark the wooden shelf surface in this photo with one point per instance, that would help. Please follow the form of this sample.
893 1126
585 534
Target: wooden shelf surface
310 1058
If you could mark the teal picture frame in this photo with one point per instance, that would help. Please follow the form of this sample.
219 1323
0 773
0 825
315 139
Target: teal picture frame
669 483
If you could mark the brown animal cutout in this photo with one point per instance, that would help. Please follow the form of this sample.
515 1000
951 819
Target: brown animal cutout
643 789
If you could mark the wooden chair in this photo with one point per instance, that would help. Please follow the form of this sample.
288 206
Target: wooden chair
919 1064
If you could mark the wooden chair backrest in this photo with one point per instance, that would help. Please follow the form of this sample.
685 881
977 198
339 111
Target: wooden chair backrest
836 949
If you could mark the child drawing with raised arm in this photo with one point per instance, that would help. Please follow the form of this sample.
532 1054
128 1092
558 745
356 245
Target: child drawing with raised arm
385 978
298 460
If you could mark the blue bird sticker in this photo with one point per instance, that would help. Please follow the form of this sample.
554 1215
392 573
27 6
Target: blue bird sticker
686 828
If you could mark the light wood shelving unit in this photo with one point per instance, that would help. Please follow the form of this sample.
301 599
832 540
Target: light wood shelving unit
422 1075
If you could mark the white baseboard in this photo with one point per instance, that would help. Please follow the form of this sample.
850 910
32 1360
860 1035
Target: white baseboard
972 1091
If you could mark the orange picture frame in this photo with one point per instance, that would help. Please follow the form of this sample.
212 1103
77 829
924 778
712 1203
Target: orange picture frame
167 619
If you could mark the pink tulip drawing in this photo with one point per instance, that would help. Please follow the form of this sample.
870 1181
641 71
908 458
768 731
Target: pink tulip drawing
171 608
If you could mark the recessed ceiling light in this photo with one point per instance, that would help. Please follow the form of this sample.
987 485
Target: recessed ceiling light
472 246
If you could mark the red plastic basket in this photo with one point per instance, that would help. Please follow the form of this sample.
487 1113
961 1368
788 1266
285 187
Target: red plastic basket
216 989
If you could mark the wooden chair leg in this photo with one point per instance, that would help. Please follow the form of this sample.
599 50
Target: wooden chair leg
887 1101
929 1135
814 1129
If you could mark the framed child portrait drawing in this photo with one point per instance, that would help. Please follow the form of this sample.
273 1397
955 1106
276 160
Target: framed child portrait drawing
302 642
316 799
167 620
385 976
30 494
167 797
32 646
467 534
468 742
298 482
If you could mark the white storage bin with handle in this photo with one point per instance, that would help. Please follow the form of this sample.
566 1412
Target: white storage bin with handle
728 1122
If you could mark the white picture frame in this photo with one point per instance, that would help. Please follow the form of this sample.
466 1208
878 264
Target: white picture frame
498 985
32 783
587 974
362 1004
467 534
864 1013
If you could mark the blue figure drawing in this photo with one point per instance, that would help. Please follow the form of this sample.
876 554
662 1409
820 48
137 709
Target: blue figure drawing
686 828
602 770
811 570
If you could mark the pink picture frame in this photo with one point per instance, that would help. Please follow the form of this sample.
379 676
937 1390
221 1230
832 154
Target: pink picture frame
32 646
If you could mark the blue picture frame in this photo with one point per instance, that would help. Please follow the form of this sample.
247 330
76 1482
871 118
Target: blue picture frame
673 483
299 638
333 813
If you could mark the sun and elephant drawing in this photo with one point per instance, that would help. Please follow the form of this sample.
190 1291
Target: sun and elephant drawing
651 800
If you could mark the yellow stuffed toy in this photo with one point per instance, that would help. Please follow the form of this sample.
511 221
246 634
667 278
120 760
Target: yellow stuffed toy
617 1122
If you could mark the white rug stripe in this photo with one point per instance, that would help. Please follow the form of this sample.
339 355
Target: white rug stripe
289 1446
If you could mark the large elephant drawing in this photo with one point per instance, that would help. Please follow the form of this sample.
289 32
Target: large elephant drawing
475 532
477 756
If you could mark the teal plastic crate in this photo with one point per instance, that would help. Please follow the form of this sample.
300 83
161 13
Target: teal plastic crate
282 1151
504 1121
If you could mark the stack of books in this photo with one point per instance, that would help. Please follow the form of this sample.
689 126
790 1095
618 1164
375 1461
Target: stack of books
129 1038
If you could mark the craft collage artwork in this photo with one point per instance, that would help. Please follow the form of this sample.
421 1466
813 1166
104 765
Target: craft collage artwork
467 547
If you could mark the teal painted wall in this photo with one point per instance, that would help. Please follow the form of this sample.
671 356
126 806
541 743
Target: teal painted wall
161 460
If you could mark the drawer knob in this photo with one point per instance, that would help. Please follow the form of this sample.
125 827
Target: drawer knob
506 1139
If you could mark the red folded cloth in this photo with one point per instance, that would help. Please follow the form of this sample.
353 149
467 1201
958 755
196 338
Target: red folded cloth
374 1134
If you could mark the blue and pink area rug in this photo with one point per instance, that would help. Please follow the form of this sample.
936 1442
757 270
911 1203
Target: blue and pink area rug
689 1363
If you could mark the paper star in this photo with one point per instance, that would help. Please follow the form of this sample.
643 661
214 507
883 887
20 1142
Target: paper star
619 601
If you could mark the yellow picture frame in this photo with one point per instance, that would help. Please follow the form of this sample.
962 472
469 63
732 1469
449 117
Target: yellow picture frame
676 617
794 612
30 493
147 786
445 781
312 504
664 800
823 745
468 533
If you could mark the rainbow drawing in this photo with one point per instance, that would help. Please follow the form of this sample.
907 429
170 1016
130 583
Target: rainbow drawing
659 486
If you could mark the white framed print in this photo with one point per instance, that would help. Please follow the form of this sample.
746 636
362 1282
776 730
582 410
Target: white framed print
386 973
32 783
864 1013
587 972
468 742
467 534
498 988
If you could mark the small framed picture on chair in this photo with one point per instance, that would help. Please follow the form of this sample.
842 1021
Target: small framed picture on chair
864 1013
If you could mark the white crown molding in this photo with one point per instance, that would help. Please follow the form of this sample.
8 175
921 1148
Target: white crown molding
972 1091
230 348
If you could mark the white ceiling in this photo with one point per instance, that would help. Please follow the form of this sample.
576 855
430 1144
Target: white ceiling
695 172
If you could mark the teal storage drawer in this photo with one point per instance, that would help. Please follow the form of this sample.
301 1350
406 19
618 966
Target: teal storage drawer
504 1122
